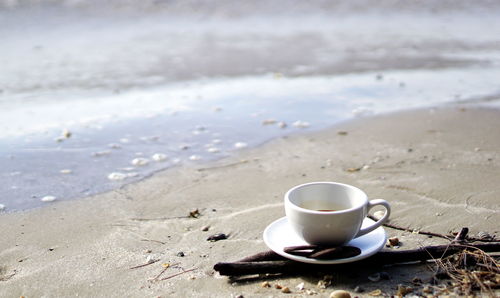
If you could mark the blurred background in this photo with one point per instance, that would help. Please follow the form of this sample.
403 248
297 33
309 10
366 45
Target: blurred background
97 94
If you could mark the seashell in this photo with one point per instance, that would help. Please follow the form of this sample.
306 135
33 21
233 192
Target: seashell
159 157
194 157
116 176
66 171
300 286
2 207
484 235
301 124
48 199
376 292
340 294
140 161
240 145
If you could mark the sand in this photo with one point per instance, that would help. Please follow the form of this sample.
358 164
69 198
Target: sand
439 169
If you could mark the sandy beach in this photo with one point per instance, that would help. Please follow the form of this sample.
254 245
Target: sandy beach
439 169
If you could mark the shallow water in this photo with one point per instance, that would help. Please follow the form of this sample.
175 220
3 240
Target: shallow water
83 104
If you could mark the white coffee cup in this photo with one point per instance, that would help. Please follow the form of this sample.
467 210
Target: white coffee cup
330 213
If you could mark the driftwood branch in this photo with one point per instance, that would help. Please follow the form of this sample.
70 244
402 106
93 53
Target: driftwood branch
270 262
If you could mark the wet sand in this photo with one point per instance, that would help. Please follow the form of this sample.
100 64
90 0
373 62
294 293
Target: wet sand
439 169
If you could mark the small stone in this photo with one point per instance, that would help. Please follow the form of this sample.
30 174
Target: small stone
114 146
285 290
159 157
194 213
217 237
342 133
150 259
140 161
374 277
393 241
205 228
148 251
48 199
477 149
117 176
66 133
66 171
300 286
278 286
240 145
101 153
282 125
213 150
340 294
268 122
301 124
194 157
265 284
180 254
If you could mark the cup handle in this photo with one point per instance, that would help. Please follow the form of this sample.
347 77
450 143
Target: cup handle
379 222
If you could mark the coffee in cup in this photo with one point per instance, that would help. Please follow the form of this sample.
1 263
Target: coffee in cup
330 213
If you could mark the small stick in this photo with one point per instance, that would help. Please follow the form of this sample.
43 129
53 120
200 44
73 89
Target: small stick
263 256
164 269
384 257
144 265
182 272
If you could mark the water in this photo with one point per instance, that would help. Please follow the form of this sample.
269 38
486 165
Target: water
199 89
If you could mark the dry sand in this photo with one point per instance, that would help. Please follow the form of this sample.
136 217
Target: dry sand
439 168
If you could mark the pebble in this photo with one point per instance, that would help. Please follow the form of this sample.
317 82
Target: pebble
301 124
117 176
268 122
114 146
2 207
265 284
101 153
300 286
340 294
282 124
217 237
240 145
150 259
66 171
393 241
194 157
342 133
159 157
213 150
180 254
140 161
285 290
205 228
48 199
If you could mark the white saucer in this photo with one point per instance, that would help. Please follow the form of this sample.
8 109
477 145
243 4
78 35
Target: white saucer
279 235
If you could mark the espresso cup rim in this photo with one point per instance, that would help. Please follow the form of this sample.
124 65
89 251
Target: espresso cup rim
294 206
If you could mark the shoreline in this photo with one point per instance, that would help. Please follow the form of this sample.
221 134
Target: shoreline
444 157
